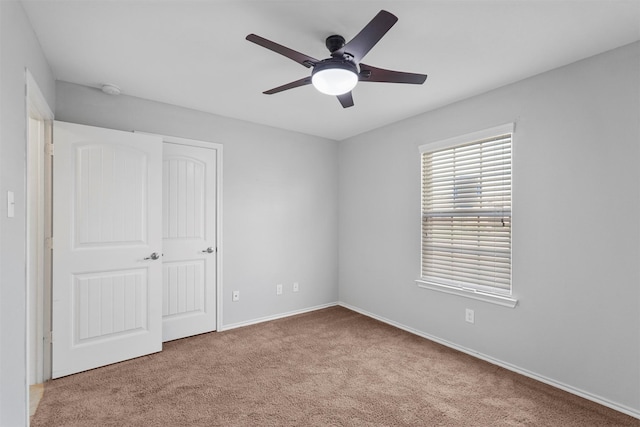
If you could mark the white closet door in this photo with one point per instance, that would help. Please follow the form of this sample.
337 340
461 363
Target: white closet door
107 286
189 240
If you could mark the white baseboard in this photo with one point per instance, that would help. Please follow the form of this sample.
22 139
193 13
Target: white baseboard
275 316
597 399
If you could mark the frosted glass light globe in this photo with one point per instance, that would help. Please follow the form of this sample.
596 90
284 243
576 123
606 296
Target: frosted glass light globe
334 81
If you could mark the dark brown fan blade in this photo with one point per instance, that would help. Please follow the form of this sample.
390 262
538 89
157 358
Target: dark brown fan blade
373 74
297 83
371 34
346 99
300 58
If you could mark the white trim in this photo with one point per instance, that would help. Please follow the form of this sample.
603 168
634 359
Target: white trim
504 301
276 316
185 141
467 138
562 386
37 179
219 148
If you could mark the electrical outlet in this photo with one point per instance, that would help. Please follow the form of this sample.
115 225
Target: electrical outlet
279 289
469 315
296 287
235 296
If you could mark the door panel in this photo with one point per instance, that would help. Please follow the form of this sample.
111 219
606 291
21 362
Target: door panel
184 288
184 194
107 290
110 303
189 228
110 202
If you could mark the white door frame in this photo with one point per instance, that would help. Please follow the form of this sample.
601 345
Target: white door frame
218 147
38 257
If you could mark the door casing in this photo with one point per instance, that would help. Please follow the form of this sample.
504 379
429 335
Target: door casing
38 255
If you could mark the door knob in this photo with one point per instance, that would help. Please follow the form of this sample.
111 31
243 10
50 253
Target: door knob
154 256
209 250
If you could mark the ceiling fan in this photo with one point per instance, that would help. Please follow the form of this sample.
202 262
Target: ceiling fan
339 74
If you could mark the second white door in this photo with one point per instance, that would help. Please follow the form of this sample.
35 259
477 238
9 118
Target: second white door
189 240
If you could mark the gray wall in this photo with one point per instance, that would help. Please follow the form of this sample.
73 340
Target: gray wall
280 194
576 227
19 49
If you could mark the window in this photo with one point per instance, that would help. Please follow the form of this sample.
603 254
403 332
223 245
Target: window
466 213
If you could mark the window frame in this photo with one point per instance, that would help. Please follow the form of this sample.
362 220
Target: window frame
475 292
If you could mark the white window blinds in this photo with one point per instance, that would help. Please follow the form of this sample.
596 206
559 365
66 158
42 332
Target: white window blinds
466 211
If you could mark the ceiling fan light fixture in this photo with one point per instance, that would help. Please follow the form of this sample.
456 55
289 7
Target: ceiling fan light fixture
340 73
334 77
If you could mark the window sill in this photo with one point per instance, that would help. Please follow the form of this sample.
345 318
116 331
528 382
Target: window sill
469 293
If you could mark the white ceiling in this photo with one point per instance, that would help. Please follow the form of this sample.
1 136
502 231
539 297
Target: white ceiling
194 53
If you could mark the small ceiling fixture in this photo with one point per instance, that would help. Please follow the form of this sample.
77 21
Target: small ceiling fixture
340 73
110 89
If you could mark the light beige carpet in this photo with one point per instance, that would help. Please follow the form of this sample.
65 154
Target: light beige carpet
331 367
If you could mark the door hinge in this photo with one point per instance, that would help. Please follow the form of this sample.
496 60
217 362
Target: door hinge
48 242
48 149
49 338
